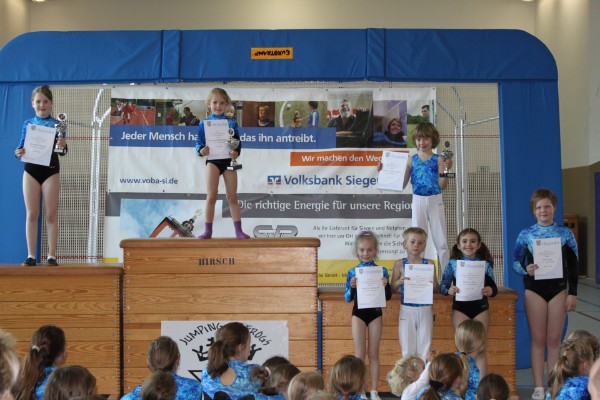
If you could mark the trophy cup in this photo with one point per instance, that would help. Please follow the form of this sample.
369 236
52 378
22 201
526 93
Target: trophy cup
61 128
233 144
447 154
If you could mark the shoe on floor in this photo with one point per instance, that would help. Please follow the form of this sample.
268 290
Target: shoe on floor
52 262
30 262
538 394
375 395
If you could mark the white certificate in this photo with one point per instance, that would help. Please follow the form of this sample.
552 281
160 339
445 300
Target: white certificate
216 133
547 255
391 176
370 291
470 277
39 144
419 288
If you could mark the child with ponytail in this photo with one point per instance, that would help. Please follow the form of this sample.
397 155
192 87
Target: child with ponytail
445 378
570 376
48 348
227 370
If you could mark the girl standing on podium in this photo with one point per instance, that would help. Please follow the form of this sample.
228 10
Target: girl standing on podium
547 301
41 180
367 319
218 101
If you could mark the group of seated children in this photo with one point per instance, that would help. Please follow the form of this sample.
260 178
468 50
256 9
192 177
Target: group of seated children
229 375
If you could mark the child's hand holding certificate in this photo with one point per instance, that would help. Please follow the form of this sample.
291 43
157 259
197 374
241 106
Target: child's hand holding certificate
391 176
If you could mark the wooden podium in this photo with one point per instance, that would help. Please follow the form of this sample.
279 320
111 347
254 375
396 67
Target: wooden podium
217 279
337 334
84 300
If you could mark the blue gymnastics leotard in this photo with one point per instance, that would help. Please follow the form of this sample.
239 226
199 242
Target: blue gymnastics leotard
40 172
367 315
573 388
470 308
241 386
523 256
424 176
187 389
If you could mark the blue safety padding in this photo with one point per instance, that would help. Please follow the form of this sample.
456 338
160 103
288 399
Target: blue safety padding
83 57
530 153
225 55
433 55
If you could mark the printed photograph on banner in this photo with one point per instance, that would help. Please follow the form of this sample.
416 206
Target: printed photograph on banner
350 113
423 111
190 112
194 338
260 114
161 218
389 123
132 112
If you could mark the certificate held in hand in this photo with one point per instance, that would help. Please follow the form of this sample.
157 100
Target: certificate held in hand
418 284
470 277
216 132
391 176
370 292
547 255
39 144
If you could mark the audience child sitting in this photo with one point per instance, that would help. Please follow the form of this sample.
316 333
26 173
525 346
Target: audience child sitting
163 355
68 382
48 348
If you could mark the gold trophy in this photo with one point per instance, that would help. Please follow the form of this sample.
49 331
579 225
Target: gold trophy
233 144
61 129
447 154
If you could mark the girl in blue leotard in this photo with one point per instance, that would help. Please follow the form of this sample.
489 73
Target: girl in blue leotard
470 339
218 101
48 348
470 247
227 370
547 301
41 180
445 379
570 376
163 355
367 319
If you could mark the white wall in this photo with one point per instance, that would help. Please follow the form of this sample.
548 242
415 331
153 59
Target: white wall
564 26
14 19
279 14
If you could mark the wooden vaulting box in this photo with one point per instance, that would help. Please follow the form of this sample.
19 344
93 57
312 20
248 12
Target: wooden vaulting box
217 279
85 301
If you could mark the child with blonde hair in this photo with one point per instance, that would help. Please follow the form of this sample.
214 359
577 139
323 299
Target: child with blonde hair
304 385
587 337
367 320
409 375
217 164
9 364
348 378
415 324
470 339
570 375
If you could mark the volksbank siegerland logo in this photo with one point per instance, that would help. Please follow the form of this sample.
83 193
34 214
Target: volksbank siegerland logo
318 180
273 179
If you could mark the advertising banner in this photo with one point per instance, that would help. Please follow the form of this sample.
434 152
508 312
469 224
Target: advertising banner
309 166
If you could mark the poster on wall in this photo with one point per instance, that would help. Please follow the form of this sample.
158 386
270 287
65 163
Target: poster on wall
194 338
309 160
